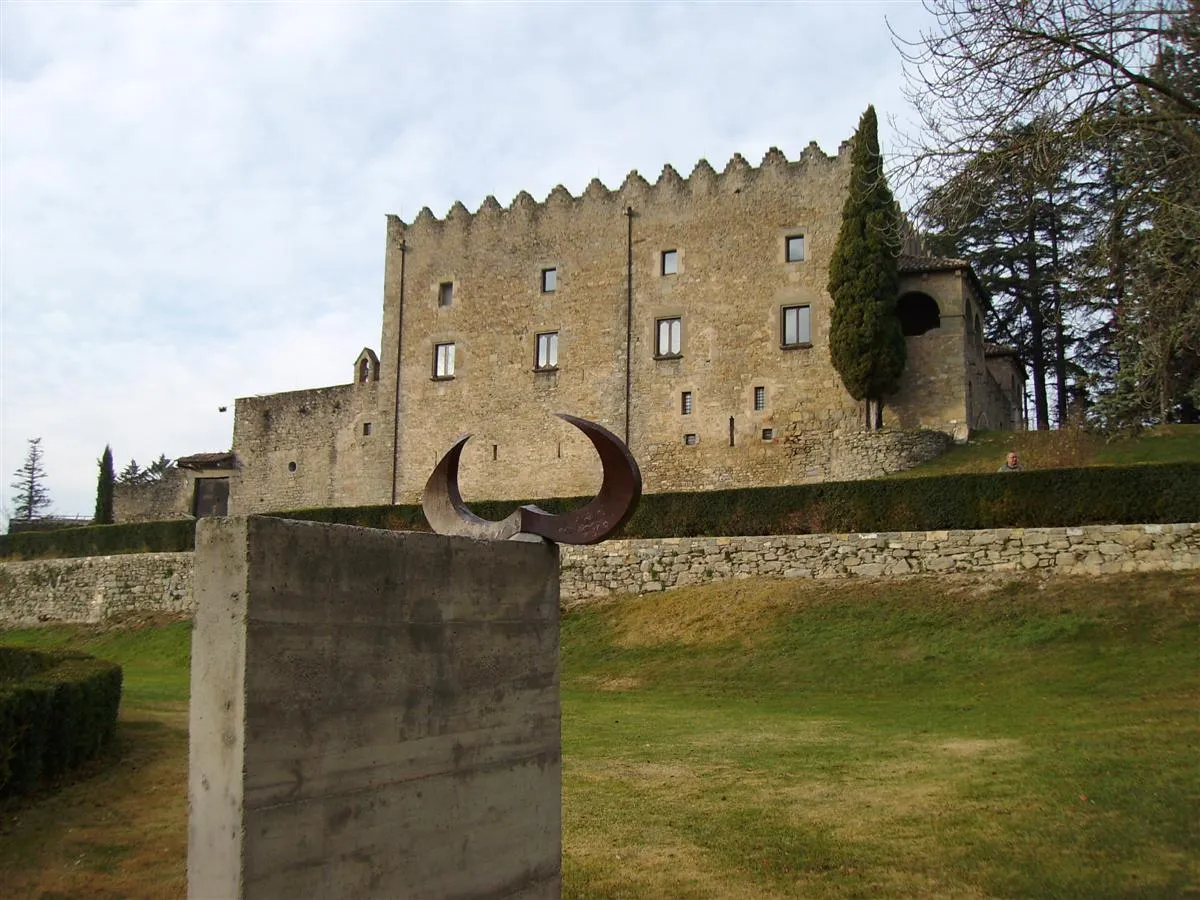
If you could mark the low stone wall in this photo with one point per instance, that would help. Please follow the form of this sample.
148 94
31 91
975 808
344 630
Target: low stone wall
95 589
643 566
102 588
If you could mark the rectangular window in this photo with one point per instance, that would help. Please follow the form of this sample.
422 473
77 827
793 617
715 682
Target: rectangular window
685 403
445 293
668 342
549 281
795 327
760 399
547 350
768 434
670 262
366 429
795 248
443 361
690 440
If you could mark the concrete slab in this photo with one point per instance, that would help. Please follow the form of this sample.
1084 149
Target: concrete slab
373 714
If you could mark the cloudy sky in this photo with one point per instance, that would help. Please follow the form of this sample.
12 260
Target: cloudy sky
192 195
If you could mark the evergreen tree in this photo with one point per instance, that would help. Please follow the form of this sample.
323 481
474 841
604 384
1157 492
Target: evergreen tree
131 474
104 488
866 342
32 497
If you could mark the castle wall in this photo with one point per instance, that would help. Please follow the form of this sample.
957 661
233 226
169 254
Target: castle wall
306 449
732 282
168 498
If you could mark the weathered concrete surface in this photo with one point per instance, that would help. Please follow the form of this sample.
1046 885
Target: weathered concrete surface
373 714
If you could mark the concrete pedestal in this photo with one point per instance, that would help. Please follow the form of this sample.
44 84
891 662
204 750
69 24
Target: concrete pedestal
373 714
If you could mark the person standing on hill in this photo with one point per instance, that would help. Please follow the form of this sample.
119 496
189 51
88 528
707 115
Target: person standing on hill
1011 464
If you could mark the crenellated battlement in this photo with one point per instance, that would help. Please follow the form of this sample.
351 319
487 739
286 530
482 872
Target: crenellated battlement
703 180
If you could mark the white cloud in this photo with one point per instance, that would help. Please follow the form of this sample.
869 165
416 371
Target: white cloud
192 196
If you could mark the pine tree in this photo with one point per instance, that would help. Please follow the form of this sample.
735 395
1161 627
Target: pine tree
32 497
131 474
866 342
104 488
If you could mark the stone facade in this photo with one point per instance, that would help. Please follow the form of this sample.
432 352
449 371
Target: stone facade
690 316
96 589
324 447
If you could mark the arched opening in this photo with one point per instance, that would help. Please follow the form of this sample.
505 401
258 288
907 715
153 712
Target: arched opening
918 313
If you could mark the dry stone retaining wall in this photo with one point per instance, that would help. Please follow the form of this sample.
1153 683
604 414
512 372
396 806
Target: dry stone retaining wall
98 589
95 589
643 566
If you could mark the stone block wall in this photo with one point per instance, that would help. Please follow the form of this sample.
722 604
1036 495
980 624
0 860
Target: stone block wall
168 498
645 566
323 447
100 588
95 589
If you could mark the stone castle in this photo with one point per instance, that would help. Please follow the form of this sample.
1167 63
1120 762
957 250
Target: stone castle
689 316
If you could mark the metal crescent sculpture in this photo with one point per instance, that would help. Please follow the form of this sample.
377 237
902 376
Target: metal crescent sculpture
618 498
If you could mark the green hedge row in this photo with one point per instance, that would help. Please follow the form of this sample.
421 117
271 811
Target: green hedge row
1044 497
57 710
101 540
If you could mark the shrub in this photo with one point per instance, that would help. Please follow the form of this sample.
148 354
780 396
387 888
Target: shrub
57 710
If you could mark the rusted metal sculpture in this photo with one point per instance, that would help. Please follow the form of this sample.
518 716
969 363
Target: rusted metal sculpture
618 498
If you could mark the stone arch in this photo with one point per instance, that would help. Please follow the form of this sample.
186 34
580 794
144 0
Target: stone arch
918 313
366 367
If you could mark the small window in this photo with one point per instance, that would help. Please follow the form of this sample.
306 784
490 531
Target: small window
685 403
547 350
366 429
795 248
292 466
549 281
768 434
443 361
445 293
760 399
670 262
795 327
668 342
689 440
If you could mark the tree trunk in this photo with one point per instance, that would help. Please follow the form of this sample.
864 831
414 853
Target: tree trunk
1060 348
1037 325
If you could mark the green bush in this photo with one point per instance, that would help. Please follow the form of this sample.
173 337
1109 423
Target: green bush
1043 497
57 710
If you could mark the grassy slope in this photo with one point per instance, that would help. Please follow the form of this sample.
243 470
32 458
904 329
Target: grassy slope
120 829
773 739
986 450
920 738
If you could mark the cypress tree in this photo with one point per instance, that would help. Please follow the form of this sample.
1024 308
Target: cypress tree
104 488
866 342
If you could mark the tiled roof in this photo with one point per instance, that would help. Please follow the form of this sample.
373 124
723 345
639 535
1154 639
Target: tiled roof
224 460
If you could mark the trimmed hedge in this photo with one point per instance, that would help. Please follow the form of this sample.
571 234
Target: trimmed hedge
101 540
1044 497
57 710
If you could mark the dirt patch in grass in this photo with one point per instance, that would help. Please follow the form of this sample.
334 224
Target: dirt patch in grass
120 833
615 683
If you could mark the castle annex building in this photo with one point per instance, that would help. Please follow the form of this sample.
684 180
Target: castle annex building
689 316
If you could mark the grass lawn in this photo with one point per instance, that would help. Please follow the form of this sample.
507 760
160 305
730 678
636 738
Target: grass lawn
755 739
1068 448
